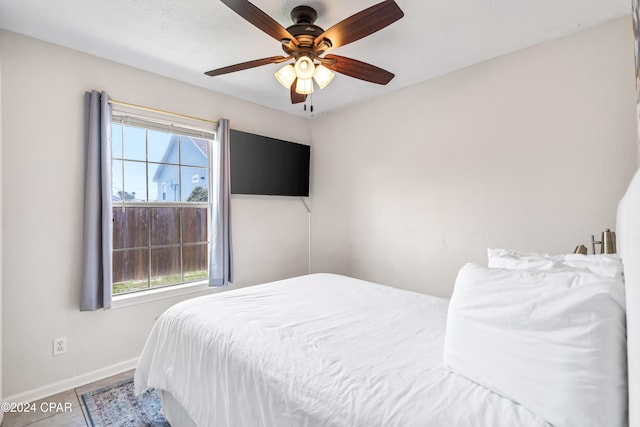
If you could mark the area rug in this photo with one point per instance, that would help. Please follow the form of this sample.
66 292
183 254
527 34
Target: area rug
117 405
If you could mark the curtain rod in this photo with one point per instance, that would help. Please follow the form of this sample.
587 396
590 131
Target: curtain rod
155 110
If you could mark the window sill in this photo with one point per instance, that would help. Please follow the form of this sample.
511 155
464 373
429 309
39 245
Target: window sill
135 298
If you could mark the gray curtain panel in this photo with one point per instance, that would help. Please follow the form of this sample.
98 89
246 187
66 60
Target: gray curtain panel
98 225
220 259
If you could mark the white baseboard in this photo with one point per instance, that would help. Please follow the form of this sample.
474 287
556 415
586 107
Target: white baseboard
71 383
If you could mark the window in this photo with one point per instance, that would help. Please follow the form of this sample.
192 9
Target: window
160 190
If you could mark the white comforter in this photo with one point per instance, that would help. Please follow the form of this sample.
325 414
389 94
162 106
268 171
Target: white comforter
318 350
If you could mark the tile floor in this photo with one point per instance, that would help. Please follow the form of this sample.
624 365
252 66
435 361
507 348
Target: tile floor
75 417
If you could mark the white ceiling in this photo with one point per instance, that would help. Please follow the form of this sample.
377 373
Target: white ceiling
182 39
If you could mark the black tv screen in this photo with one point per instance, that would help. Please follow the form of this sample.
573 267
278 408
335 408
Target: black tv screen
269 166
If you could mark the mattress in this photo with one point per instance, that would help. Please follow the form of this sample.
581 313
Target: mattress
316 350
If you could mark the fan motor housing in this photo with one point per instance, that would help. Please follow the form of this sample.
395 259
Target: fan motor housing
305 34
303 28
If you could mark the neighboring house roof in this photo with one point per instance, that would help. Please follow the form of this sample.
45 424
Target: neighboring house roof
202 145
198 143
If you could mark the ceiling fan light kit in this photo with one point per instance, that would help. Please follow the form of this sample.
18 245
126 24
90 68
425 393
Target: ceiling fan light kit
304 86
305 43
304 67
286 75
323 76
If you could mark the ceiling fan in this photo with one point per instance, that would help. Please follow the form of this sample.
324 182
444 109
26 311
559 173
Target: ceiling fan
306 43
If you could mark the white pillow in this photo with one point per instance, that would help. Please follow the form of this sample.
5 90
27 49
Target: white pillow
516 260
604 264
552 341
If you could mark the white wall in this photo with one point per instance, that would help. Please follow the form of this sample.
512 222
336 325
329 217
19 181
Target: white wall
42 169
529 151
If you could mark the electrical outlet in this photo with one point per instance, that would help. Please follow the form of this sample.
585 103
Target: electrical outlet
59 346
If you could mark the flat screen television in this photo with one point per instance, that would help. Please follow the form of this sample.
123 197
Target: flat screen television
269 166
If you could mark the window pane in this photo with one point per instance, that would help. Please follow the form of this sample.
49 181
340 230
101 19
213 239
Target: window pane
195 261
159 148
164 183
193 151
116 141
165 226
194 184
116 180
135 181
130 270
194 225
165 266
130 227
158 244
134 144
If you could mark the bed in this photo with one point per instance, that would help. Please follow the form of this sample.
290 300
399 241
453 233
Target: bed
329 350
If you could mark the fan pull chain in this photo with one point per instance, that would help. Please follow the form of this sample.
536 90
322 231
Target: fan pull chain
310 105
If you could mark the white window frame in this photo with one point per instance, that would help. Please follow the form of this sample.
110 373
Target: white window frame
127 116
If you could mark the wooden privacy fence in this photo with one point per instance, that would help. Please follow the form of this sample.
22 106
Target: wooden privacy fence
155 240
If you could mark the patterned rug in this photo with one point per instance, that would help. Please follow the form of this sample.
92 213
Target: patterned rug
117 405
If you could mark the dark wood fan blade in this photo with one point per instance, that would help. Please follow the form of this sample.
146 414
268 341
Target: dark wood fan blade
245 65
362 24
359 70
260 19
296 98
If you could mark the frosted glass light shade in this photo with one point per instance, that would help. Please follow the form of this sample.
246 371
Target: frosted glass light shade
323 76
286 75
304 68
304 86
